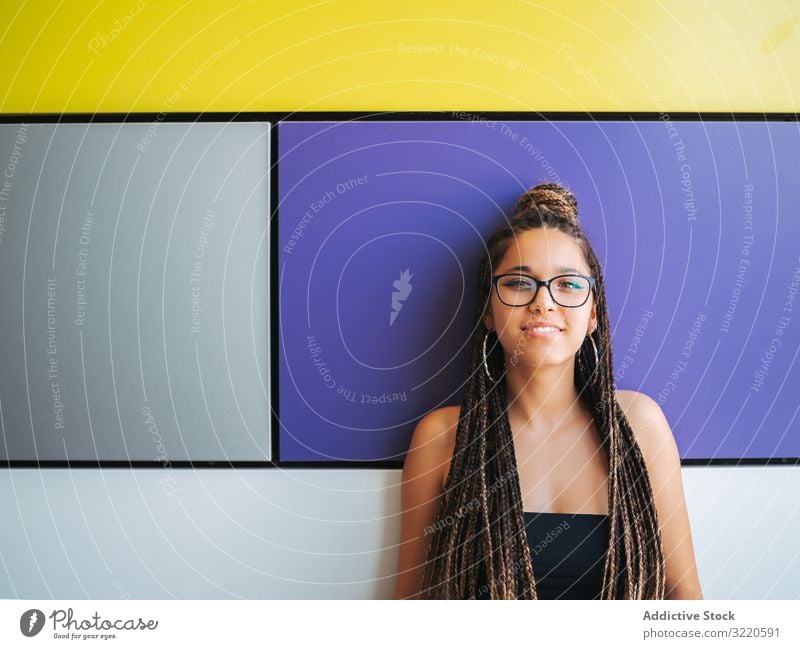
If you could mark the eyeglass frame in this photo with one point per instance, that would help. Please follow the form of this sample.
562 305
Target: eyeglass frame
546 283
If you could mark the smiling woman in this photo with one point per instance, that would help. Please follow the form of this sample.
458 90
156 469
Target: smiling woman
542 441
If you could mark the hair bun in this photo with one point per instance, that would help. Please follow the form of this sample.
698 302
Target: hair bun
552 196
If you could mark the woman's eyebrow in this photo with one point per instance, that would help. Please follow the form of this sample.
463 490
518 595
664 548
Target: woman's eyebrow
563 269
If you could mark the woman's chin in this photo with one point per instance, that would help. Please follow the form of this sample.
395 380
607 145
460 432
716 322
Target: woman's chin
531 361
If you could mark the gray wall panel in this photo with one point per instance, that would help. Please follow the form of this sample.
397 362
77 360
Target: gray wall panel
133 262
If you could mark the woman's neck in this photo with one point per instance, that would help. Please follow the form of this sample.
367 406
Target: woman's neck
542 399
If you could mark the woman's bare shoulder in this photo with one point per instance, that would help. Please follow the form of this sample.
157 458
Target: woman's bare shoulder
438 427
649 425
626 397
449 414
636 405
435 435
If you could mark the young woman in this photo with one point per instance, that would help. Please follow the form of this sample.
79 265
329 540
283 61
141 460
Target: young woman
546 482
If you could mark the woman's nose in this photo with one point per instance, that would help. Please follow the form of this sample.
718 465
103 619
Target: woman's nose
541 298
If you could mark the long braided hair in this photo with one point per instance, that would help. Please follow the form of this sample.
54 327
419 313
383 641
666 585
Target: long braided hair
480 521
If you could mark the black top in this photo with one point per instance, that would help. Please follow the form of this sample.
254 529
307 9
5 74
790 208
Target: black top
567 552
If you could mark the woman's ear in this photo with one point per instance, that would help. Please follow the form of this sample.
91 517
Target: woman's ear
593 320
488 319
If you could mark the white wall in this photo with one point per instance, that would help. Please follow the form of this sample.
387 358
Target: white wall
746 527
314 533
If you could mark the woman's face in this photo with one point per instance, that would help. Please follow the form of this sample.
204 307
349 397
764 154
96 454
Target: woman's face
543 254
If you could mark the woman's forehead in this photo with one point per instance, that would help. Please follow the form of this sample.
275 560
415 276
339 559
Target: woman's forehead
543 251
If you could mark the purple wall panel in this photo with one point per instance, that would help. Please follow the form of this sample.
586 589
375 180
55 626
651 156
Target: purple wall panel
696 225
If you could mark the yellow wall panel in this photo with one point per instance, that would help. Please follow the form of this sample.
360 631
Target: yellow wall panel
143 55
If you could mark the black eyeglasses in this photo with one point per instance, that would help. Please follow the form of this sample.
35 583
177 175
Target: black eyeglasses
569 291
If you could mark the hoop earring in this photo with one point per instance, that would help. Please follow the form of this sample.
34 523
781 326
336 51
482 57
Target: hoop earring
594 347
485 360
